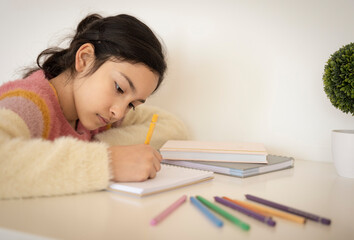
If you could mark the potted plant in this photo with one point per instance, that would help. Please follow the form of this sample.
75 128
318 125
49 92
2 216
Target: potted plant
338 80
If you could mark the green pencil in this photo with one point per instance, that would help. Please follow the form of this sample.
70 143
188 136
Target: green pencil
225 214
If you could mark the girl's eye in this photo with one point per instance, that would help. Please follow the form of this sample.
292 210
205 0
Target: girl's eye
118 89
131 106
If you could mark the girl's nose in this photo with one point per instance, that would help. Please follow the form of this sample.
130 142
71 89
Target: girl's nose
117 112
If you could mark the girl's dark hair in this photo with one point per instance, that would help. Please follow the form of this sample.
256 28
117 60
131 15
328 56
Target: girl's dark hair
120 37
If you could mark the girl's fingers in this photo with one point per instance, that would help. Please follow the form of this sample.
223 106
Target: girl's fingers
152 173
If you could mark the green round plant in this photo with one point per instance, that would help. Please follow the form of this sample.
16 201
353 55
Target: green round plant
338 79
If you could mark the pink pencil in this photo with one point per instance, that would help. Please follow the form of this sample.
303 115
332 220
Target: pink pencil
168 210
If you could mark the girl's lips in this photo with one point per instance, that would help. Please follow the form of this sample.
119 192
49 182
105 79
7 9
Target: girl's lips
103 120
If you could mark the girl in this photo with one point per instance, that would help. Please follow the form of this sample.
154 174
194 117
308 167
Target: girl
62 128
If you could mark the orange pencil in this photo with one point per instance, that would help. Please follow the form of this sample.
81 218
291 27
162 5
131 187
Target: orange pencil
265 210
151 128
245 205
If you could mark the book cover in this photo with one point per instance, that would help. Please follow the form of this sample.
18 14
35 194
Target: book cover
214 151
275 163
169 177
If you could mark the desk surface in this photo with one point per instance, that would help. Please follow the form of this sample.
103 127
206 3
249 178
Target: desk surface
310 186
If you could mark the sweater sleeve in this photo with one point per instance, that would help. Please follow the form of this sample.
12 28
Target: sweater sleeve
37 167
135 126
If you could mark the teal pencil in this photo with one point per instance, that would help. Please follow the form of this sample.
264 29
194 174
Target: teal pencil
225 214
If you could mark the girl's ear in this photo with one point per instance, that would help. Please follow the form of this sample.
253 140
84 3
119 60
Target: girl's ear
84 57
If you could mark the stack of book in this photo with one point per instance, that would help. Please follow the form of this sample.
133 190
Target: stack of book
231 158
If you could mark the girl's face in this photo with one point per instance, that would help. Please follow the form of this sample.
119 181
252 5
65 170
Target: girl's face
109 93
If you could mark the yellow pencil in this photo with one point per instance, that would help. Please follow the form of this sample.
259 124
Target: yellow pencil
151 128
266 210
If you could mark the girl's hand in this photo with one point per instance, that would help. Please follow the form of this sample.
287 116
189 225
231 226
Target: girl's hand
134 163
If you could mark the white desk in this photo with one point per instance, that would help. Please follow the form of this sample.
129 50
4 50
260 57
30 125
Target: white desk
309 186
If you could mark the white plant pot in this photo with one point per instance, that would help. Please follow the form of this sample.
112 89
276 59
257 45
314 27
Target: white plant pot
343 152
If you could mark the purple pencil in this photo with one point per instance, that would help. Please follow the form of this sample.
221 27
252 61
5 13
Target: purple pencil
246 211
289 209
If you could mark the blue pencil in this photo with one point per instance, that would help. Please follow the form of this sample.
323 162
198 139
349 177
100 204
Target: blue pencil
206 212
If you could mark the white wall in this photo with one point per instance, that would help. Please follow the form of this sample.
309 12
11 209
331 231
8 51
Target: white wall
243 70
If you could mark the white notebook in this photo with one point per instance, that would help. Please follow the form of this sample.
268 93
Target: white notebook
169 177
188 150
